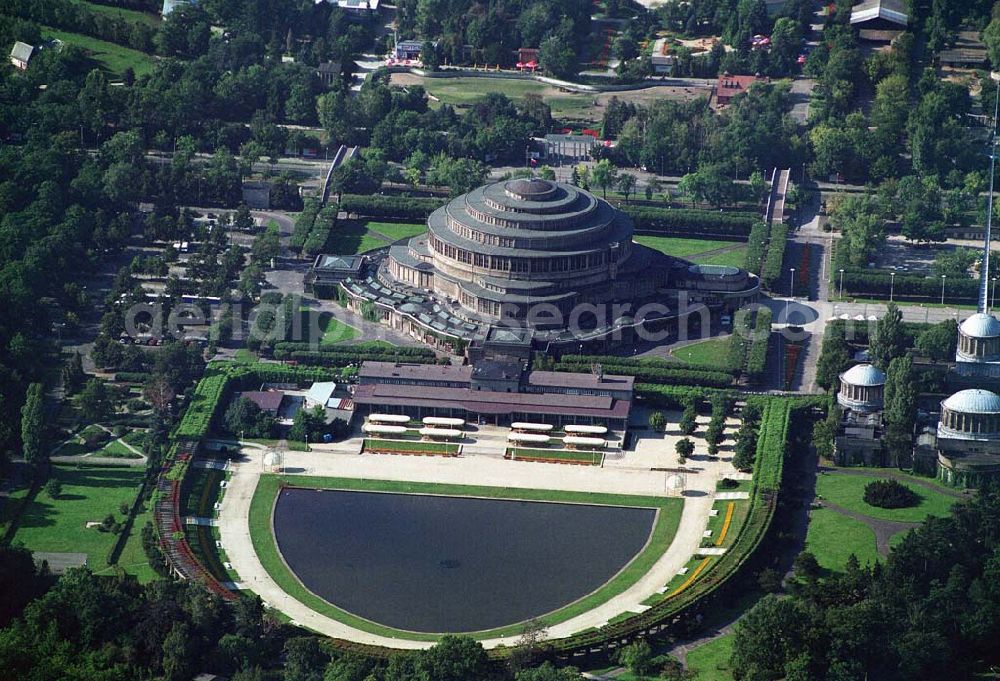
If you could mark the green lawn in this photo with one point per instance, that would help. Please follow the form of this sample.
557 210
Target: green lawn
595 458
264 544
133 559
711 352
412 446
349 238
735 257
681 247
833 537
88 494
117 450
468 90
848 491
336 331
112 57
396 230
710 662
130 14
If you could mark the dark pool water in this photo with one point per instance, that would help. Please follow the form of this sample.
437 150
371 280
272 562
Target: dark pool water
452 564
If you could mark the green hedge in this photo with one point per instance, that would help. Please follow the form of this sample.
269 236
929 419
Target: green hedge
772 270
739 342
756 247
320 232
868 284
304 224
401 207
691 222
649 370
757 357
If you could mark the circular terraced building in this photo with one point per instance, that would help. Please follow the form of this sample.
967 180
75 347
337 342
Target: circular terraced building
541 255
505 248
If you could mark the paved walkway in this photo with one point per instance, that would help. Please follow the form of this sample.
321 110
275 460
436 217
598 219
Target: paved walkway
477 470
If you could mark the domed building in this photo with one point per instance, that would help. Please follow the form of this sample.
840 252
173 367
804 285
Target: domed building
978 352
968 437
543 256
861 399
862 389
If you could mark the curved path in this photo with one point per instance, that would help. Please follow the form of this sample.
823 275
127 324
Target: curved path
473 470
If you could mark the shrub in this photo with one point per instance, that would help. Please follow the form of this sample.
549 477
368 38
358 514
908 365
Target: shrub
53 488
890 494
771 272
729 483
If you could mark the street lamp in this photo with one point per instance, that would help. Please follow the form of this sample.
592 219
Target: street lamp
943 277
892 284
841 283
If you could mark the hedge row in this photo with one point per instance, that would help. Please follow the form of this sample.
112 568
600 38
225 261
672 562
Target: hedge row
369 350
864 284
197 420
132 376
739 342
400 207
691 222
757 358
771 272
756 247
663 373
304 224
320 232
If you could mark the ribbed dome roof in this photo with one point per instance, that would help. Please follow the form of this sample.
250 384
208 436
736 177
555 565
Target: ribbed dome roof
981 325
534 189
975 401
863 374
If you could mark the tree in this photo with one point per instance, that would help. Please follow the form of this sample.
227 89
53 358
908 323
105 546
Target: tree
940 341
73 375
454 658
53 488
626 184
657 421
604 175
242 219
556 55
304 659
546 173
637 657
900 404
33 426
709 183
888 340
834 357
684 448
763 637
95 401
688 423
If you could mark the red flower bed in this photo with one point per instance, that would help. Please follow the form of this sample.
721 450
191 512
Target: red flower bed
792 353
802 273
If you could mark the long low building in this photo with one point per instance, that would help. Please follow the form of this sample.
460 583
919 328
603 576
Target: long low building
555 398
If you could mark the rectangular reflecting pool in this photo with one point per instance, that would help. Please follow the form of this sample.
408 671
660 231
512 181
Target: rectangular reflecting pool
443 564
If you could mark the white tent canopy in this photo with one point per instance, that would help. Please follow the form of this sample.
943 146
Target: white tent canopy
384 430
541 427
535 438
441 432
594 430
389 418
442 421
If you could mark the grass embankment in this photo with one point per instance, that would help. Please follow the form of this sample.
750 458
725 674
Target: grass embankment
710 662
703 251
848 492
89 494
711 352
267 551
396 230
114 58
